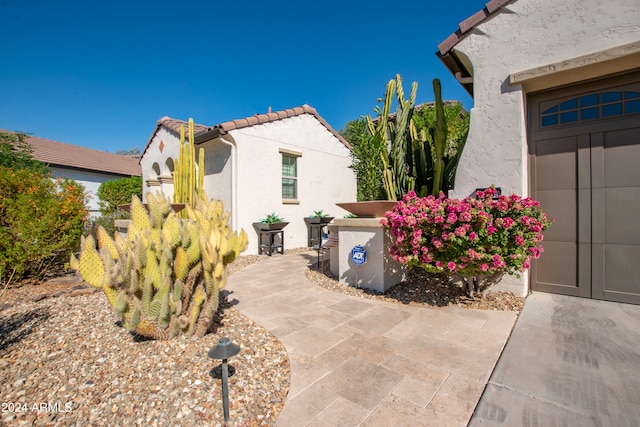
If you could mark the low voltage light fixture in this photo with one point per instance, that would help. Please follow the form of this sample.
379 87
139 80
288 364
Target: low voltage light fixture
224 350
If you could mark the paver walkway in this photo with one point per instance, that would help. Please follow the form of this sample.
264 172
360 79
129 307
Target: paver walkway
356 361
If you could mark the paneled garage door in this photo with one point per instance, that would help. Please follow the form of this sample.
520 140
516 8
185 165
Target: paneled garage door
584 147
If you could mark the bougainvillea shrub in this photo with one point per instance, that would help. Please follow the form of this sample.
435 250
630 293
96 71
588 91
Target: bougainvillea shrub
475 240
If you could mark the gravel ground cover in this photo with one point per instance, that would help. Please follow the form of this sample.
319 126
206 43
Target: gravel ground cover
65 361
420 288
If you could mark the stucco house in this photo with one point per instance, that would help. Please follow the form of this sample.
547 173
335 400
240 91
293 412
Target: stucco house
556 116
290 162
86 166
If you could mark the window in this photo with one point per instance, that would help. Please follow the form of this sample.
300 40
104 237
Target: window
590 107
289 177
289 174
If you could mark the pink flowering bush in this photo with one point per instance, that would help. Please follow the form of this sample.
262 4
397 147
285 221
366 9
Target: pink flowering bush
475 241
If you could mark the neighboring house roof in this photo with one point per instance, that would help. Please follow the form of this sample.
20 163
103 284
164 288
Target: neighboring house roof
205 133
445 49
61 154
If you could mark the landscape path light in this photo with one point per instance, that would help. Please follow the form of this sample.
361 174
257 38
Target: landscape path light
224 350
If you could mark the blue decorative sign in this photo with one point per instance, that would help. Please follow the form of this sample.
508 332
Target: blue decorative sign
358 255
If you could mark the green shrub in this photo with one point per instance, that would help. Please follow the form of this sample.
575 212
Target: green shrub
41 221
118 192
16 153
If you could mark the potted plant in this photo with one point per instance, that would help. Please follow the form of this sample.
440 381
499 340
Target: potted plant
271 222
318 217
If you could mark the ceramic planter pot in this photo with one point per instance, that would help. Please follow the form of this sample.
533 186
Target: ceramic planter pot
319 220
368 209
270 226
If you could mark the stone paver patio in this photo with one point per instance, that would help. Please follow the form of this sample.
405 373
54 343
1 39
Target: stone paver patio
357 361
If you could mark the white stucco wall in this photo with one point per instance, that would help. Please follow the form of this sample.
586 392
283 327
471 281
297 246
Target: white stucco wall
324 176
244 170
219 164
91 182
153 155
527 34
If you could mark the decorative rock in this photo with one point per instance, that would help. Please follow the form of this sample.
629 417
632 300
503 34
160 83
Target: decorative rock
72 352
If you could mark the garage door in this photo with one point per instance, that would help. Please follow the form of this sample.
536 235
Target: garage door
584 147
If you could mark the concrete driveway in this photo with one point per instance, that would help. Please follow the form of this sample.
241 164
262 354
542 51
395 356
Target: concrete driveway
569 362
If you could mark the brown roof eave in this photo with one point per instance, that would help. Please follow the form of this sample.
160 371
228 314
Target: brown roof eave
446 49
451 61
85 169
208 135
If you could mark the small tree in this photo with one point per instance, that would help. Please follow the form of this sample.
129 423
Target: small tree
135 151
118 192
16 153
367 161
110 195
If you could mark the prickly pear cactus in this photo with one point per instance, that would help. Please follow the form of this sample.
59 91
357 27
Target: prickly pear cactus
164 278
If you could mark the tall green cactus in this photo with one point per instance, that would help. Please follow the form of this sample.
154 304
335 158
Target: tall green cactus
164 278
439 142
188 187
395 177
413 162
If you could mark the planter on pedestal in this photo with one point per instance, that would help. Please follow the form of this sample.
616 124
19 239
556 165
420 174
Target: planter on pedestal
270 237
315 225
270 225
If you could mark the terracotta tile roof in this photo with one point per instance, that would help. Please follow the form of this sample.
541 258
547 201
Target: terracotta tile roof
257 119
56 153
205 133
445 49
174 126
470 23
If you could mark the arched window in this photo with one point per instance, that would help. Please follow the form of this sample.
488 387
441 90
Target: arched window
170 166
591 107
156 170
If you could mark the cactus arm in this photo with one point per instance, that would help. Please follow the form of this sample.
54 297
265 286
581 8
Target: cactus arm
199 297
192 165
452 163
200 187
91 265
439 140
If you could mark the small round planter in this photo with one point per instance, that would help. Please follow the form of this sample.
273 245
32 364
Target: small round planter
368 209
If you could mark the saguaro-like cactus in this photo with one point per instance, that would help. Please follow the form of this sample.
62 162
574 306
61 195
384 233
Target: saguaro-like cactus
164 278
188 183
439 142
396 178
413 162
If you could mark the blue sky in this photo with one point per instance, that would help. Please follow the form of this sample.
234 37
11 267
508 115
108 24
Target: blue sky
101 73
